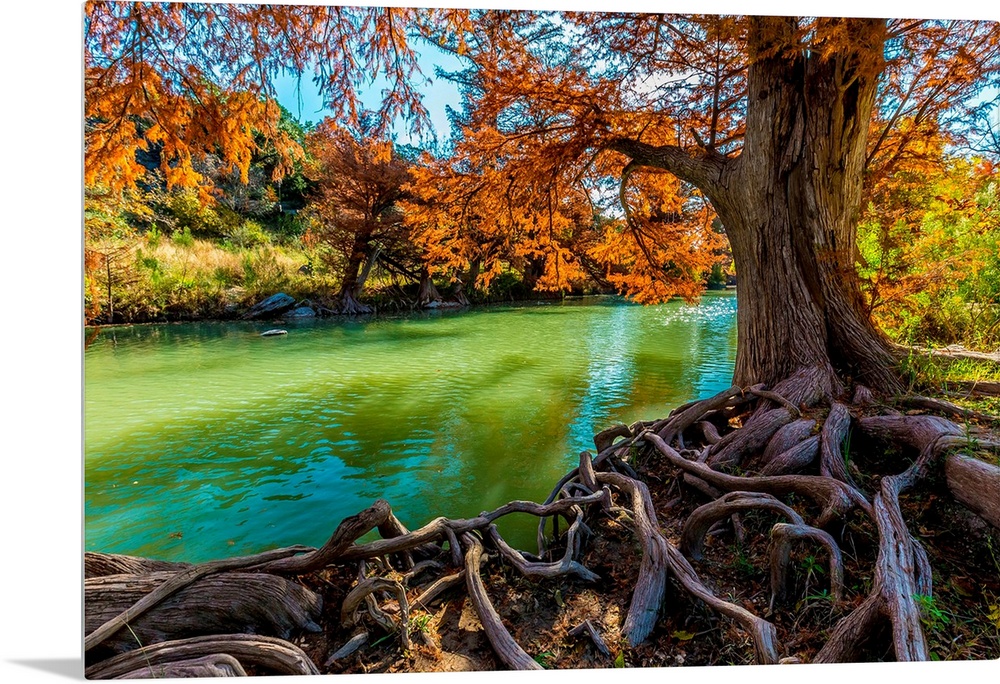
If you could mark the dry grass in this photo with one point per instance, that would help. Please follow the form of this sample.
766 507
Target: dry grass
185 278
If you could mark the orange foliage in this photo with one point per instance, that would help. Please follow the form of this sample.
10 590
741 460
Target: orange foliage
193 79
358 181
560 104
558 107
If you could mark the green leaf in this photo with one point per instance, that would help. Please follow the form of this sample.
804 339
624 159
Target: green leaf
620 660
683 635
994 615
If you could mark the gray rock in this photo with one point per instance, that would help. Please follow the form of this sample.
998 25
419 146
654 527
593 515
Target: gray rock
272 306
301 312
272 333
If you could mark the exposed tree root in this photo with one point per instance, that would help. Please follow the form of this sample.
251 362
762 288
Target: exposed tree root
362 593
439 587
218 665
174 584
946 407
352 645
782 536
836 498
704 517
652 580
788 437
972 388
789 443
218 604
509 652
831 458
751 439
565 566
348 305
587 627
975 484
795 459
103 564
274 656
953 353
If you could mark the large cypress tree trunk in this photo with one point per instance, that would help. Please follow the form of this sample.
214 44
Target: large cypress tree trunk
790 203
792 213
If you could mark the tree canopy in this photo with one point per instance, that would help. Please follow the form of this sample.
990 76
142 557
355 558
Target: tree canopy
617 146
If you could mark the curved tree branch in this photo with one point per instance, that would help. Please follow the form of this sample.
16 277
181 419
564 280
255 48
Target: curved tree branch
703 169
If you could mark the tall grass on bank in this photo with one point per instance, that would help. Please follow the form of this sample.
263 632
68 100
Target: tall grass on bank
159 278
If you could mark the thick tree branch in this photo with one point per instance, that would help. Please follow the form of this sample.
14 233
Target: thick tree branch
703 169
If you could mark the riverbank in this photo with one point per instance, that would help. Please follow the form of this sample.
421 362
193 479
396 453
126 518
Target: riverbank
381 307
158 278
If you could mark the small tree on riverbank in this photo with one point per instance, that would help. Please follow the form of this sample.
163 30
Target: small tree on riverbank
358 183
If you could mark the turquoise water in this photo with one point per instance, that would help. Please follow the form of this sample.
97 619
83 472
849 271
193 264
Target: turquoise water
207 440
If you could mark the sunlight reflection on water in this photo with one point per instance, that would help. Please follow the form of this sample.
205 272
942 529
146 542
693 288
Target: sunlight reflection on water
206 440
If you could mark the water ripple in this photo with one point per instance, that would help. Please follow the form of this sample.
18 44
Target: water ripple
237 443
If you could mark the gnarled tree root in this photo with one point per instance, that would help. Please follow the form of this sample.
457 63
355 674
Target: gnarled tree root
444 528
218 604
703 517
275 656
218 665
902 570
831 459
566 566
788 437
976 485
509 652
352 645
175 583
658 556
782 536
103 564
587 627
835 497
362 593
652 581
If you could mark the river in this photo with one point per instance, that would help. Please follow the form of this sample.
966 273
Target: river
206 440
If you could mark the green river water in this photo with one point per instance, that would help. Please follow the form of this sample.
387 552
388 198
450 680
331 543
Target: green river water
208 440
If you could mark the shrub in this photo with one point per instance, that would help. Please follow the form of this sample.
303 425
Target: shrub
248 234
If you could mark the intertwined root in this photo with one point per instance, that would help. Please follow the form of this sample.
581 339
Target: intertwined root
777 451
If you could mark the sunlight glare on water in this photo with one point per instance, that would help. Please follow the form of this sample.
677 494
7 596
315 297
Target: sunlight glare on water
206 440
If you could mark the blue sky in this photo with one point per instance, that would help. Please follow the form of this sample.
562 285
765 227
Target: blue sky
301 97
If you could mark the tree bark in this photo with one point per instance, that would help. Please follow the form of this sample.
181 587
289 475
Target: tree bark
976 484
790 203
227 603
353 278
428 293
274 655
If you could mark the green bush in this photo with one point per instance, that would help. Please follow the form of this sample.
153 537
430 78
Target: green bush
933 275
191 214
248 234
262 275
183 238
287 228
